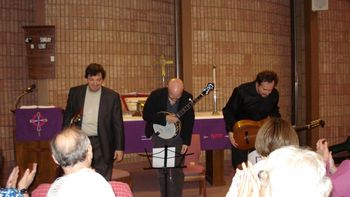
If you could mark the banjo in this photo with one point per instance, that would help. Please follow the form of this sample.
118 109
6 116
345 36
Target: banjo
171 130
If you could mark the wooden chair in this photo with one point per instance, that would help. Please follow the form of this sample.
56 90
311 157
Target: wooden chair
195 172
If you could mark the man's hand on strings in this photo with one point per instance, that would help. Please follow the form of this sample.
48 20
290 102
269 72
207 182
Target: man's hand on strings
232 139
171 118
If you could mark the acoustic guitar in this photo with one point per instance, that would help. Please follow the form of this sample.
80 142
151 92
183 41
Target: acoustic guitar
245 131
76 119
171 130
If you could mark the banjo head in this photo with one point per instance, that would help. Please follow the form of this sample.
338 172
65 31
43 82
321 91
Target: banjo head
168 131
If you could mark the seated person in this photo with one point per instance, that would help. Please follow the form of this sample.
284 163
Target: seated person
291 171
12 189
339 175
274 133
119 188
71 149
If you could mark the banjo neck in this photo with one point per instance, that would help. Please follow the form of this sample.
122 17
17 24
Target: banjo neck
188 106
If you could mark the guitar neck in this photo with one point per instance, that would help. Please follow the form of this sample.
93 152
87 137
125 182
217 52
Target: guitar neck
188 106
313 124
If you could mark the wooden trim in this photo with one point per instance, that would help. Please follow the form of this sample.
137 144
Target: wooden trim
186 27
312 70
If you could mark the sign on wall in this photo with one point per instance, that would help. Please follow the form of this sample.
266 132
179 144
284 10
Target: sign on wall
40 45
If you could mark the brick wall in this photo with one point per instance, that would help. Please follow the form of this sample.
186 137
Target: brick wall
334 42
241 38
127 37
13 73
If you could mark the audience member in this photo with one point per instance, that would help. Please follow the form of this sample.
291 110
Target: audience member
339 175
20 189
71 149
291 171
274 133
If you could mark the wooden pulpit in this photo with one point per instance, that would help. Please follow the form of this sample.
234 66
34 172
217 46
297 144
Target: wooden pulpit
35 127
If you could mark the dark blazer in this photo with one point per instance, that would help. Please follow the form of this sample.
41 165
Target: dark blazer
110 120
157 102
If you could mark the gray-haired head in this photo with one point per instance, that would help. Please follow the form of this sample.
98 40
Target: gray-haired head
70 147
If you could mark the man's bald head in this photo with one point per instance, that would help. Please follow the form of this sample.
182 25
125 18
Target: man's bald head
70 147
175 88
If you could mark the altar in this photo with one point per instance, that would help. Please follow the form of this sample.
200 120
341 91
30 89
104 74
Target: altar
214 140
35 127
210 127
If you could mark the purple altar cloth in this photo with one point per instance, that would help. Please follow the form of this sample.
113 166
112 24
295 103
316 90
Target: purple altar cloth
38 123
44 123
212 131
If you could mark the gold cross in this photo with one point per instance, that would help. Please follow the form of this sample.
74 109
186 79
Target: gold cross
163 62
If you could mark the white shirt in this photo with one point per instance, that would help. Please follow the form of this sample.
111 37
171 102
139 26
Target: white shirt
86 182
90 115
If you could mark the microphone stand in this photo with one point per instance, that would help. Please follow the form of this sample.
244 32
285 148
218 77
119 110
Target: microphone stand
18 99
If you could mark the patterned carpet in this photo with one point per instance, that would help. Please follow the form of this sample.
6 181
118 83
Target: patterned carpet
145 183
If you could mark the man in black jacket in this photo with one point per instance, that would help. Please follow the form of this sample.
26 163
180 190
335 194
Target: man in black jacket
254 100
170 99
101 118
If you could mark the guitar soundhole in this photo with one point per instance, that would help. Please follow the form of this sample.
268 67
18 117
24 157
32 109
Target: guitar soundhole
246 137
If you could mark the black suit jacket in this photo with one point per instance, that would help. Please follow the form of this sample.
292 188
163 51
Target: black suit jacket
110 120
246 103
157 102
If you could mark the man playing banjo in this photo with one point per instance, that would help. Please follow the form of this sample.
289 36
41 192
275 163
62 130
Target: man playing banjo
160 126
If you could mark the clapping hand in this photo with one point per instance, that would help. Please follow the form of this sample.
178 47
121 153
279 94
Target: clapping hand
12 180
322 149
250 183
27 178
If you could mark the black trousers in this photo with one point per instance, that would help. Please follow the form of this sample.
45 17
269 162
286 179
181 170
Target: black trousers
175 176
238 156
98 161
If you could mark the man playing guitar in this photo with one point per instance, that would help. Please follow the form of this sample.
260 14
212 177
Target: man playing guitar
253 101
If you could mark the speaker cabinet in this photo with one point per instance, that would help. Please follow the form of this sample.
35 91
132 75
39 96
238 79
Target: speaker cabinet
318 5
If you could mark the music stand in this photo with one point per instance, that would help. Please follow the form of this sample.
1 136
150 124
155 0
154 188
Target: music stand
164 158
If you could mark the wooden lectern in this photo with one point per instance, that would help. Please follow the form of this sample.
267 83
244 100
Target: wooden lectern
35 127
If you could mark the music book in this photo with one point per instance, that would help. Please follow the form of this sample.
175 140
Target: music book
159 157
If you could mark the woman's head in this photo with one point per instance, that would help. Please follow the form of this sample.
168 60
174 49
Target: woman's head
275 133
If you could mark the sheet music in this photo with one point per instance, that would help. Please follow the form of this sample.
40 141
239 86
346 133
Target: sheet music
158 157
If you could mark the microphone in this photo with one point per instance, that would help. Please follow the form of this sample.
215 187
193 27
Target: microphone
30 88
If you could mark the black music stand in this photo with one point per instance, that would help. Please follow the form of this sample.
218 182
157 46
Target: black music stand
164 152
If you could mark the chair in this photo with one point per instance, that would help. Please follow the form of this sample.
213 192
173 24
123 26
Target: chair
41 190
122 176
119 189
195 172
